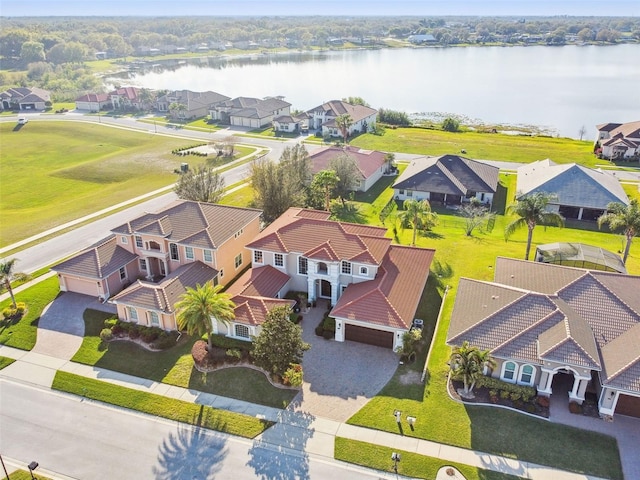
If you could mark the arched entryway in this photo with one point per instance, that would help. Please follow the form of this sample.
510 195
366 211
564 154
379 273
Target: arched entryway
324 289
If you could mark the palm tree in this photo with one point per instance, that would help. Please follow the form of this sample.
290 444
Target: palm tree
531 211
468 362
199 307
7 275
418 215
344 122
625 218
326 180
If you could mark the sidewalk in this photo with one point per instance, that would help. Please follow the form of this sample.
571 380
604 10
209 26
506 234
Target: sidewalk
317 434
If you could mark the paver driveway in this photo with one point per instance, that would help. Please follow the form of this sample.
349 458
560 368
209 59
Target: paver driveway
340 377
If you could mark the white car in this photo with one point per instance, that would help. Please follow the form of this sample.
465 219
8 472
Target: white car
22 120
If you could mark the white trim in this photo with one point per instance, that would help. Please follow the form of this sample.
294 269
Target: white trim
503 369
533 375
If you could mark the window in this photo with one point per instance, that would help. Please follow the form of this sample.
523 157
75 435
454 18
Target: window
123 273
133 314
409 193
143 264
242 331
208 256
173 249
238 260
346 268
400 192
278 260
188 253
138 241
364 271
509 372
238 233
257 256
220 273
154 319
303 266
123 239
527 375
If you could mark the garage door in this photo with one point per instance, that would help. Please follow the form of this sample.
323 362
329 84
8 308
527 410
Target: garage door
369 335
79 285
628 405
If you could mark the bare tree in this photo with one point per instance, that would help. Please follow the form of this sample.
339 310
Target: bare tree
203 184
582 131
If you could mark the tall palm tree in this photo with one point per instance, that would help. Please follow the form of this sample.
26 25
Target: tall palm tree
344 123
468 362
326 180
7 275
531 211
625 218
418 215
199 307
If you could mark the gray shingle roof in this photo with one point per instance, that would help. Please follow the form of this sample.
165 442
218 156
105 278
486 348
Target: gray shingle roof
98 261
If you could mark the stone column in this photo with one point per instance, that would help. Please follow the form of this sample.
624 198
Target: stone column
544 385
311 288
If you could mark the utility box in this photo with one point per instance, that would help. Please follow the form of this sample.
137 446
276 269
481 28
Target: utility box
184 167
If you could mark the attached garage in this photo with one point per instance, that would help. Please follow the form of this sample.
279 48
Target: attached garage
80 285
369 336
628 405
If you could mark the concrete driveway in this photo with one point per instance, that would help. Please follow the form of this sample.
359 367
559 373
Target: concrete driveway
339 377
61 325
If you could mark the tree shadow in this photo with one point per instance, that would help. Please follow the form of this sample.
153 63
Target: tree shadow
190 453
348 212
278 454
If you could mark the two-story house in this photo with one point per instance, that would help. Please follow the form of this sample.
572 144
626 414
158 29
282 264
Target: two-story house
196 104
323 117
146 264
619 140
373 287
249 112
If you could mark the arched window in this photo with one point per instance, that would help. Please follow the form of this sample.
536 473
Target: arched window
527 375
509 372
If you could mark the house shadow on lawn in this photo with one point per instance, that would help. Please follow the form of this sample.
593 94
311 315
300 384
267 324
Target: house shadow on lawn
181 454
292 432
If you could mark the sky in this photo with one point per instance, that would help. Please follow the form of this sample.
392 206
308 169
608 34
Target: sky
622 8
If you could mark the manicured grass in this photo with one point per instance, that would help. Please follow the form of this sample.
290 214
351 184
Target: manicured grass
59 171
23 333
5 362
25 475
240 198
411 464
175 367
172 409
487 146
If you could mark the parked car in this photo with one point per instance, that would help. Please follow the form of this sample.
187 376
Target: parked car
417 324
22 120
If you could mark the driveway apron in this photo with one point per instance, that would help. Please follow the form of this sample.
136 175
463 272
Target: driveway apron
61 325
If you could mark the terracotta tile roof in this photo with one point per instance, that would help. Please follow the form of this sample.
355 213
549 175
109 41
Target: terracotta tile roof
93 97
98 261
450 174
130 93
392 298
367 161
253 310
335 108
199 224
534 276
164 295
301 232
264 281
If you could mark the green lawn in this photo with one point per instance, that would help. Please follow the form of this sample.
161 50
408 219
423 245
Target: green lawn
5 362
172 409
25 475
488 146
23 333
175 367
410 465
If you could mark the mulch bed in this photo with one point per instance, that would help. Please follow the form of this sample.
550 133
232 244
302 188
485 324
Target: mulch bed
481 396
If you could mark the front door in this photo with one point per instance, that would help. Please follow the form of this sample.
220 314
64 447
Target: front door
325 289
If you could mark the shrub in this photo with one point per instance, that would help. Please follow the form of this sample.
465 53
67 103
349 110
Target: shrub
165 340
319 330
106 335
450 125
199 352
543 401
329 324
150 334
293 375
327 334
575 407
134 331
10 312
110 322
504 394
118 329
515 396
234 355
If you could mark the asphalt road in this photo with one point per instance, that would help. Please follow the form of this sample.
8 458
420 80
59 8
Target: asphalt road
87 440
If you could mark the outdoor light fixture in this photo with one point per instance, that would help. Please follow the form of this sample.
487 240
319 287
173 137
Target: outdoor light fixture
411 420
396 458
398 415
32 466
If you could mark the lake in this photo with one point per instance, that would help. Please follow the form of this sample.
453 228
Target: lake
557 88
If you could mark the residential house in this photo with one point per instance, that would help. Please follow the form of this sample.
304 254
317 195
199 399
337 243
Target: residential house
291 123
249 112
371 164
22 98
126 98
546 324
196 104
578 192
619 140
323 118
373 287
447 180
422 39
93 102
159 255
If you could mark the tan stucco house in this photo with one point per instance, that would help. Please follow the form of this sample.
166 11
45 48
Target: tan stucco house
323 118
619 141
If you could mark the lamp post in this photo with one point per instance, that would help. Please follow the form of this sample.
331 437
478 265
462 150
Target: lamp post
6 474
32 466
396 459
